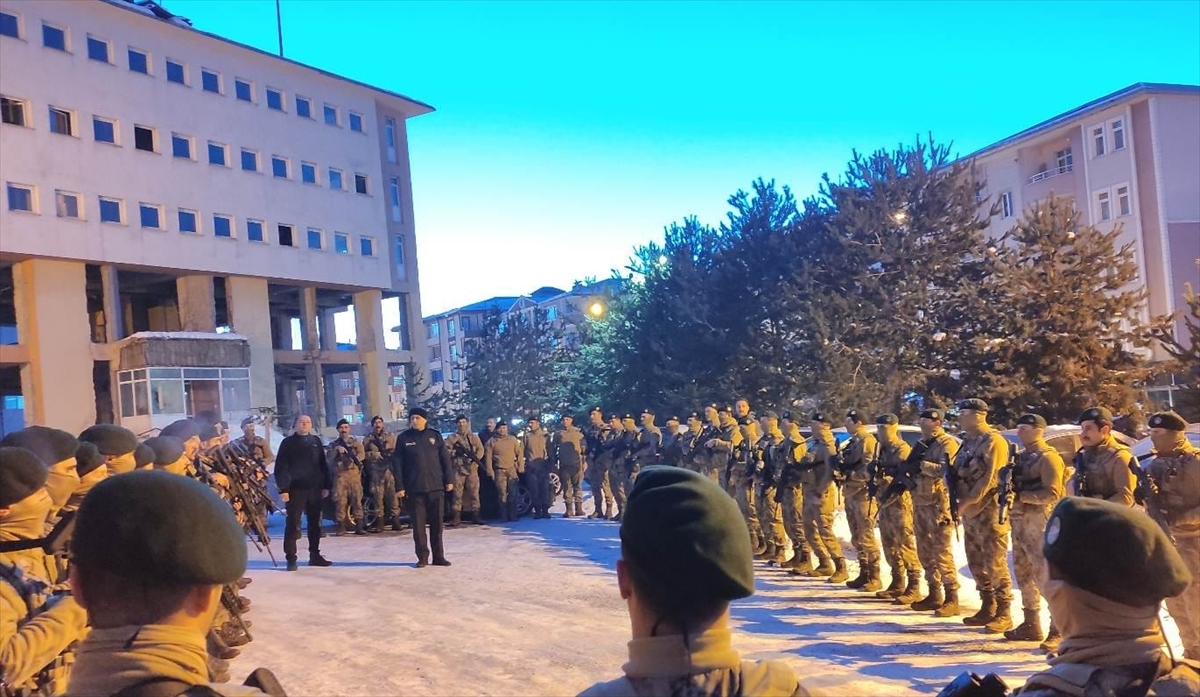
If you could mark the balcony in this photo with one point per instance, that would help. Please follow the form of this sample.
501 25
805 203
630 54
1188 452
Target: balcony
1050 174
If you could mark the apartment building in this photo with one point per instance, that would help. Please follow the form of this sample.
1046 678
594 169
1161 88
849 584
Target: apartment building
1130 158
188 223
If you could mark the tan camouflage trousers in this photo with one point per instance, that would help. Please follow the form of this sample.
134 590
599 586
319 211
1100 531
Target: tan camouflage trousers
860 514
619 482
933 530
986 541
770 516
466 490
743 493
817 514
383 491
1028 534
1185 608
597 477
791 501
347 497
896 535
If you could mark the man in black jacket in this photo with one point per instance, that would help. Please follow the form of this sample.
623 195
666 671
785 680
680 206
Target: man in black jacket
303 476
423 471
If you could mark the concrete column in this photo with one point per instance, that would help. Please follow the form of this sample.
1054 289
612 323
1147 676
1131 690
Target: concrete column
197 307
250 316
314 379
114 315
52 323
373 370
328 330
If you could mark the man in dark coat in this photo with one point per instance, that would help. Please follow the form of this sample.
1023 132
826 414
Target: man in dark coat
423 470
304 479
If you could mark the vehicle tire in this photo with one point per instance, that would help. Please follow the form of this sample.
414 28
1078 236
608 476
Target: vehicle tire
370 515
524 500
555 484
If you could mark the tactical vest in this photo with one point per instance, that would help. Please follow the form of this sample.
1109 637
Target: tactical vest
51 679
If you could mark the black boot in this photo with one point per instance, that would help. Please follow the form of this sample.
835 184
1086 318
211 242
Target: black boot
768 551
1029 630
949 607
1053 639
318 560
861 579
801 564
895 588
839 571
339 529
932 601
397 526
476 518
912 591
377 526
291 565
360 527
1002 619
456 519
873 583
987 610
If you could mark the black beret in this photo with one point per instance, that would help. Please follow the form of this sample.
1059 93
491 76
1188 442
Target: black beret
648 411
696 415
1113 551
887 419
973 405
501 424
247 421
375 418
183 429
854 416
535 417
87 459
208 432
771 415
672 418
818 416
1168 420
142 526
686 538
724 408
596 409
627 416
418 411
143 456
110 439
934 414
1102 416
1032 420
712 406
567 415
614 416
342 422
21 474
51 445
460 417
786 415
167 449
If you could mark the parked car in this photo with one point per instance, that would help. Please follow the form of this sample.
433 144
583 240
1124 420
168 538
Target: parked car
1065 439
1142 449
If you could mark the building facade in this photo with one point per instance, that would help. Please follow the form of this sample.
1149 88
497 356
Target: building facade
185 219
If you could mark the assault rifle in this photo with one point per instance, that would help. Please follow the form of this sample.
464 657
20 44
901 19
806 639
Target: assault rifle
1006 490
460 450
229 599
340 443
54 543
873 481
972 685
905 477
1147 493
951 479
1081 486
254 515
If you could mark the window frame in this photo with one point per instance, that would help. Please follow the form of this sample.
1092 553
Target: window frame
257 160
287 167
366 184
1123 204
195 214
1102 198
60 195
216 74
153 137
120 202
1117 131
191 146
1007 209
341 185
17 23
147 60
167 63
238 82
268 91
262 230
92 40
230 223
326 107
66 37
29 189
1098 137
160 223
389 126
24 110
291 234
350 118
395 200
366 246
398 248
308 239
309 167
72 127
341 243
308 106
224 150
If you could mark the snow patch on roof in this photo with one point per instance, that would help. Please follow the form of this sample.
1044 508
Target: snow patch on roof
186 335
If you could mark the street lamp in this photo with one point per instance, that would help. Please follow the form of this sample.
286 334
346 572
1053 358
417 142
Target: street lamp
596 309
900 217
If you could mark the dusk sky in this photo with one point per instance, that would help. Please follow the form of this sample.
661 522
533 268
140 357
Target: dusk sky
566 133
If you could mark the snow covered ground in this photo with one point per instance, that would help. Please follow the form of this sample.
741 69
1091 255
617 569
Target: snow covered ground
531 608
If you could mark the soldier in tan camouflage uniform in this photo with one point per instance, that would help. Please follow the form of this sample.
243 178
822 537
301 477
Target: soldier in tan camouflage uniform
788 492
346 455
931 516
538 454
1102 465
896 515
857 466
820 500
1037 482
379 445
466 452
1173 500
255 446
770 512
598 461
567 450
747 460
721 446
504 462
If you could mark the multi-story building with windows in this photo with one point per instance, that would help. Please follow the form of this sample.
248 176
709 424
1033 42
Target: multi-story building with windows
185 222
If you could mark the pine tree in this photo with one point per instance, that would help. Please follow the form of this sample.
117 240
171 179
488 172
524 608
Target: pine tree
1184 349
511 369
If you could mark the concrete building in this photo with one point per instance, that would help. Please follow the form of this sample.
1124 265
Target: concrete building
186 220
1130 158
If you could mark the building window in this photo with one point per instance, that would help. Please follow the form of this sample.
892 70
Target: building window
98 50
1065 160
104 130
139 61
286 238
188 221
1006 202
308 173
341 242
453 353
436 376
394 195
435 330
1103 206
143 138
53 37
68 205
360 183
181 146
335 179
176 72
217 154
389 130
435 353
274 99
10 25
279 167
1118 134
20 198
366 246
222 226
254 231
450 327
1098 143
12 111
111 210
249 160
356 122
331 115
1124 205
466 324
61 122
243 90
210 81
552 313
150 215
399 246
316 238
304 107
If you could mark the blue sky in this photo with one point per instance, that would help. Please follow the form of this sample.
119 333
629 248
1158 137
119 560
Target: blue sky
569 132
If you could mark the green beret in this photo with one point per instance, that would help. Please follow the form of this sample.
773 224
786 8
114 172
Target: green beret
687 538
143 456
1113 551
973 405
110 439
167 449
87 458
1102 416
143 525
1032 420
627 416
819 417
250 420
535 417
771 415
210 431
21 473
183 429
854 416
1168 420
696 415
887 419
932 414
51 445
672 418
725 408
